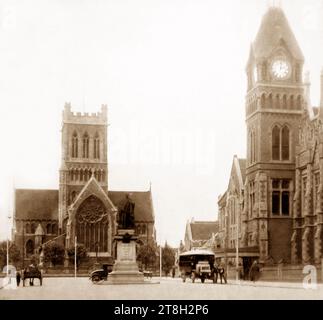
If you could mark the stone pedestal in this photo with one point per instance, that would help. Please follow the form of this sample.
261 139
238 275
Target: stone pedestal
125 269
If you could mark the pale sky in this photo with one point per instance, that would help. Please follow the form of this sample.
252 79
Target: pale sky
172 73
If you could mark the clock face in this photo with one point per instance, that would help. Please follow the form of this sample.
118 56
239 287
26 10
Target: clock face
280 69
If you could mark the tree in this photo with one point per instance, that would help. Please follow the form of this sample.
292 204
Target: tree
81 254
14 254
168 258
54 253
146 256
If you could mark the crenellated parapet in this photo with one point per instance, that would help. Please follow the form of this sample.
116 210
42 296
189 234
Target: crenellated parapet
85 118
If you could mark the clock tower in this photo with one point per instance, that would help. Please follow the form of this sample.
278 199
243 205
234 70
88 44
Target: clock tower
274 106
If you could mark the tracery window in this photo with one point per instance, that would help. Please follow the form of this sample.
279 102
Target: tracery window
96 147
74 145
85 145
92 225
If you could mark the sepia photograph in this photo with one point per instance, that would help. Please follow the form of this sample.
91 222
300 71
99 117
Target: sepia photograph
161 150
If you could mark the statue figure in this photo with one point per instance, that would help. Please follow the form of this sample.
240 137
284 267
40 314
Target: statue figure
127 216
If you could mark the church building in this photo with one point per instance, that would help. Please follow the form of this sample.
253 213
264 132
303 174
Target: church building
83 209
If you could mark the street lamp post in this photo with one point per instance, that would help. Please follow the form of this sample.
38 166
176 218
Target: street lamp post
9 217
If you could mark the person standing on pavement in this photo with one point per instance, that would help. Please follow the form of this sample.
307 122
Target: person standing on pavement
216 272
222 272
254 271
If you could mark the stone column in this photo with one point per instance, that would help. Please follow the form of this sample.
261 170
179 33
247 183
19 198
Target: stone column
318 239
297 231
307 240
263 215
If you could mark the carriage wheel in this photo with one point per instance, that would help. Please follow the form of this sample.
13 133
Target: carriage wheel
96 279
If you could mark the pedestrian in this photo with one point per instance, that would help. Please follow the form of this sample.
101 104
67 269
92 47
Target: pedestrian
173 272
216 273
18 277
254 271
222 272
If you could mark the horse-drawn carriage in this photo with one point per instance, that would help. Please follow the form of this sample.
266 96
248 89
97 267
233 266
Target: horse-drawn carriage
31 273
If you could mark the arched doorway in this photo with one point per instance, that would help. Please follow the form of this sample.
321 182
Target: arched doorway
91 225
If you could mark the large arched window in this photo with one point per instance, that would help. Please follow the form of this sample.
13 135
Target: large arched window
96 147
285 143
276 143
74 145
92 225
85 145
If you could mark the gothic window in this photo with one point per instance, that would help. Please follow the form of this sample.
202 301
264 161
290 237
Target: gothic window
270 101
30 247
252 198
96 147
92 225
285 143
33 228
280 198
276 143
143 229
284 101
28 228
263 101
54 228
74 145
299 103
316 188
304 185
291 102
85 145
277 101
49 229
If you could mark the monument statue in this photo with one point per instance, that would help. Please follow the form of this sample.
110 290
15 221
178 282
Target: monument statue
127 214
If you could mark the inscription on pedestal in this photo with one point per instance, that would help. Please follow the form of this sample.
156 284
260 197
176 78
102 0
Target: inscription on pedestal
126 251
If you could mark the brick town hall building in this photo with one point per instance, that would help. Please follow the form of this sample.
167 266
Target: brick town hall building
275 201
83 206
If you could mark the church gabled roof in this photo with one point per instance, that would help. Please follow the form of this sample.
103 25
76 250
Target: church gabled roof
36 204
275 29
203 230
31 204
143 204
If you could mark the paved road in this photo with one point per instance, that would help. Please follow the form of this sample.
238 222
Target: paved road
167 289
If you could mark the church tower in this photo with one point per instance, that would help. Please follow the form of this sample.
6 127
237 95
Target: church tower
274 106
84 154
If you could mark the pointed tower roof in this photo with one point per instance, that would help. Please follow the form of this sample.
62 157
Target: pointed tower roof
274 30
39 231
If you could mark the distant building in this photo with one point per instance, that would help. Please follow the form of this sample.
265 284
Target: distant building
231 205
83 206
198 233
